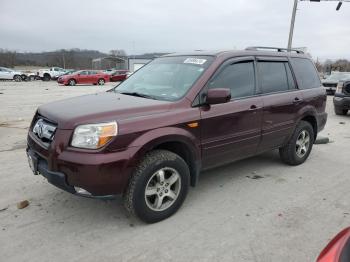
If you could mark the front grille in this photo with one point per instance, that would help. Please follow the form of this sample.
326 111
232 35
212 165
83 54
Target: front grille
329 85
347 88
44 130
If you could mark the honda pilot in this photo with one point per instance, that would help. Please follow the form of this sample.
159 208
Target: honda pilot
149 138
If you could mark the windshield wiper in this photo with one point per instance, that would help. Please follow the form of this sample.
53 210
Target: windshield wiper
137 94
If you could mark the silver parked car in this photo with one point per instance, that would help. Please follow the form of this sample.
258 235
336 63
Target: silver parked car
10 74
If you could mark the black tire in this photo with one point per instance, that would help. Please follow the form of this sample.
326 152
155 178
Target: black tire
289 154
330 92
340 111
46 77
101 82
17 78
135 199
72 82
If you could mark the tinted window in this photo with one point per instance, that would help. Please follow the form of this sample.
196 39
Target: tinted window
83 72
273 77
306 73
239 77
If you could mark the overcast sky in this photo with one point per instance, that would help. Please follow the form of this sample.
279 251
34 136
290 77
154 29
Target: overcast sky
168 26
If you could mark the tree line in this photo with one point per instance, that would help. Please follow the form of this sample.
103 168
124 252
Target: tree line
70 59
341 65
82 59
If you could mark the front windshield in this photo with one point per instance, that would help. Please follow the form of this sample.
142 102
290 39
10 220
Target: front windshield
166 78
339 77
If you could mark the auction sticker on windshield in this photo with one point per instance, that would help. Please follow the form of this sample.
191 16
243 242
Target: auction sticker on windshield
196 61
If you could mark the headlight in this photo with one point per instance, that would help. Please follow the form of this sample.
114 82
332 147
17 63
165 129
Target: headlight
339 89
94 136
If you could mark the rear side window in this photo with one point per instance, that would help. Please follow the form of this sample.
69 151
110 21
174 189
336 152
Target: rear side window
239 78
273 76
306 73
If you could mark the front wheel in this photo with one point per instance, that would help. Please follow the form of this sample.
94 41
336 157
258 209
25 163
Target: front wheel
46 77
299 146
17 78
72 82
101 82
158 186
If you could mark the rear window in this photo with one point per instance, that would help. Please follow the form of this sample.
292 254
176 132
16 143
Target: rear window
306 74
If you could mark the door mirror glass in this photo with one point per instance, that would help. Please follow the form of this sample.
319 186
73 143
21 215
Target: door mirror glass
218 96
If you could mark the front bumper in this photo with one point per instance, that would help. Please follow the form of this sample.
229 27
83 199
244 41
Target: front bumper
342 102
101 174
61 81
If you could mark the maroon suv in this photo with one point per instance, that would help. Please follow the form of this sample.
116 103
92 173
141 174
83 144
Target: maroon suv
149 138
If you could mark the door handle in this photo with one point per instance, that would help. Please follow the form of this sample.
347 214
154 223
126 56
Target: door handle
297 100
253 107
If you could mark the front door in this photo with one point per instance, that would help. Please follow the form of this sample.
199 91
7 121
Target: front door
232 130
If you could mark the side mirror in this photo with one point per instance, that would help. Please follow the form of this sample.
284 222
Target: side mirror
218 96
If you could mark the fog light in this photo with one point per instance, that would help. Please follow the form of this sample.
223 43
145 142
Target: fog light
82 191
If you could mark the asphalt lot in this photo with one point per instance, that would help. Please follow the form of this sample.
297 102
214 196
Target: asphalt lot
253 210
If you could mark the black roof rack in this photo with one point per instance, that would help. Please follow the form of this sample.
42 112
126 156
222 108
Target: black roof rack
278 49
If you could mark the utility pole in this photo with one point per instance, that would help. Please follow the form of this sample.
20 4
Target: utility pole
295 8
292 22
64 60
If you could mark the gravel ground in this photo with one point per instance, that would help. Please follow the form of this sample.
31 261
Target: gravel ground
253 210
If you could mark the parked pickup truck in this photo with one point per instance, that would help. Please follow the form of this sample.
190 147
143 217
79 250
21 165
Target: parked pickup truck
51 73
151 136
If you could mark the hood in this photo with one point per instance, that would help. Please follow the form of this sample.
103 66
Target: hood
329 81
100 107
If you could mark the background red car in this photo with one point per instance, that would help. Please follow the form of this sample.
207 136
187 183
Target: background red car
84 77
338 250
119 75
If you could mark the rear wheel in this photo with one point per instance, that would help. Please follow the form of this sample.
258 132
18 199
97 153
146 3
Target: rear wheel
340 111
47 77
299 146
17 78
158 186
72 82
101 82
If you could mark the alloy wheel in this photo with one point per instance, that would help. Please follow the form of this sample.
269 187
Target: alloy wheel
302 144
162 189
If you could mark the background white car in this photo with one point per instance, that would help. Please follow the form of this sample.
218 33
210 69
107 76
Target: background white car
51 73
9 74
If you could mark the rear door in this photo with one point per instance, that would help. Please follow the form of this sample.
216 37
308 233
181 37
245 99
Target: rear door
92 77
232 130
281 98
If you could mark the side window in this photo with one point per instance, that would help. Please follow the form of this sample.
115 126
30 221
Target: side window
306 73
273 77
83 72
239 77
